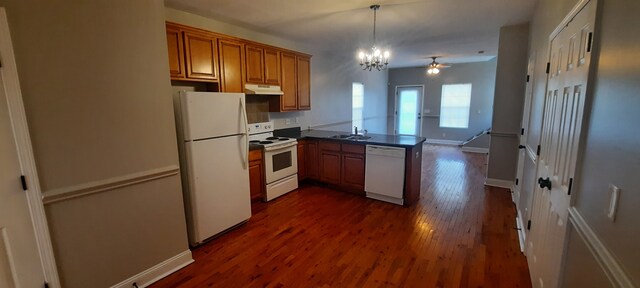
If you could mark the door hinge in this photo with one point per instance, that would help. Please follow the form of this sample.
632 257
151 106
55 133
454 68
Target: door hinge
522 131
570 186
548 67
529 225
538 151
589 42
527 78
46 285
517 180
23 180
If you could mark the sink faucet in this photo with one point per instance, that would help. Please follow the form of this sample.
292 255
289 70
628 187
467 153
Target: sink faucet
356 129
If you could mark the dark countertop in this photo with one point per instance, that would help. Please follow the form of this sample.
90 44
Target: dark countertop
376 139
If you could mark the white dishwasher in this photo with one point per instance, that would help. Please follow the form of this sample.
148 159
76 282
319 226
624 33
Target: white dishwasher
384 173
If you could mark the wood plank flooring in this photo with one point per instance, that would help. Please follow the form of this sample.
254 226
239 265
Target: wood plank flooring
460 234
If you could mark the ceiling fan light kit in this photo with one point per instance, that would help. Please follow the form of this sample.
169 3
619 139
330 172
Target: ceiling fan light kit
375 59
434 67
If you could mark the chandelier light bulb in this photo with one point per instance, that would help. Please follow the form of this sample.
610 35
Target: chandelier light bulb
376 52
361 55
386 54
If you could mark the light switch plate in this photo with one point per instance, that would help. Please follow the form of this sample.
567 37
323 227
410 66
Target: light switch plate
287 121
614 195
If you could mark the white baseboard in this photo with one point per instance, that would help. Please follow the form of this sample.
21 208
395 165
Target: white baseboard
475 150
603 256
522 230
498 183
443 142
155 273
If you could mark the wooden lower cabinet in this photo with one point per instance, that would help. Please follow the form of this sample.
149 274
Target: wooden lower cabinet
330 167
256 175
313 165
353 171
340 164
302 163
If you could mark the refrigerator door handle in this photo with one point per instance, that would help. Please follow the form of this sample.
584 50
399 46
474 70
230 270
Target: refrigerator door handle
245 161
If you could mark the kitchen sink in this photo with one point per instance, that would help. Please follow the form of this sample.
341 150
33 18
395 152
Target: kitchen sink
350 137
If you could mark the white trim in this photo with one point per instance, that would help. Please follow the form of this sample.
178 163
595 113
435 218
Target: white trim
104 185
522 233
475 149
576 9
602 255
25 152
157 272
498 183
444 142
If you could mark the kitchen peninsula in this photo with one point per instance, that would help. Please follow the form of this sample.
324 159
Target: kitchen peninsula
334 158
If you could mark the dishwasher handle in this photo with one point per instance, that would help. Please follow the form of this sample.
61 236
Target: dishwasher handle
396 152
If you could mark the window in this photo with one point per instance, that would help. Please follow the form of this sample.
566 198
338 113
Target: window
454 108
357 103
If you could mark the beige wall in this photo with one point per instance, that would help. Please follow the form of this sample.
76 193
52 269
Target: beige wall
508 100
98 103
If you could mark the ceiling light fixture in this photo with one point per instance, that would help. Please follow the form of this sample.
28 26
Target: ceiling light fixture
434 67
375 59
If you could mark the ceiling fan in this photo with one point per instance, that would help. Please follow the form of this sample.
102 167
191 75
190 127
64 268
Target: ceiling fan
434 67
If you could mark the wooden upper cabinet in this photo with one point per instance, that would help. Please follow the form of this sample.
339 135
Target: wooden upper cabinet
304 82
255 64
271 66
231 65
175 47
289 80
201 56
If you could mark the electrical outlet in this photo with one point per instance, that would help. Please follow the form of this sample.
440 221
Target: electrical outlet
297 120
287 121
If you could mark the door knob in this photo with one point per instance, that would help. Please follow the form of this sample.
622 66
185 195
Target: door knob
544 183
521 146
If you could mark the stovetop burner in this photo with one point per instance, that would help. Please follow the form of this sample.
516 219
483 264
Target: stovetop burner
266 142
254 141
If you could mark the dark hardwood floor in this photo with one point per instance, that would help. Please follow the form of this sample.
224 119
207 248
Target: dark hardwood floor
460 234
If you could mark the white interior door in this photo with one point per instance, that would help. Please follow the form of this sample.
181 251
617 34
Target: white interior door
20 263
408 114
562 121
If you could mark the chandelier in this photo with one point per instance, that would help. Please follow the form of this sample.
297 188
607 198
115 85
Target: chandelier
375 59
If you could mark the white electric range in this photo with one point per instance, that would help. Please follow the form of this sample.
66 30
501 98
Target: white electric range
280 158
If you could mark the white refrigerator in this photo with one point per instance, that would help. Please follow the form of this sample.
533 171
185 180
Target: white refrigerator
214 150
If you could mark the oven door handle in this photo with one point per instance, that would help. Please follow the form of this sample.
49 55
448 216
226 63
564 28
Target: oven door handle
245 161
280 147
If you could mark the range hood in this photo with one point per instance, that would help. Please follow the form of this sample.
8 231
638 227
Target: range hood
252 89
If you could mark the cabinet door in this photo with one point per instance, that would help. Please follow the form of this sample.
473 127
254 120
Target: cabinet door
256 181
353 171
231 65
255 64
175 47
302 167
304 82
313 165
289 101
271 67
200 56
330 167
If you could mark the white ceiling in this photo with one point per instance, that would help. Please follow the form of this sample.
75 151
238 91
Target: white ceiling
412 30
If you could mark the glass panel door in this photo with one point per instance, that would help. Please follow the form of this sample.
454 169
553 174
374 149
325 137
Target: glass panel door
408 110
